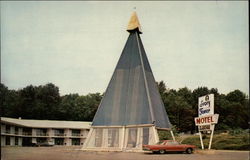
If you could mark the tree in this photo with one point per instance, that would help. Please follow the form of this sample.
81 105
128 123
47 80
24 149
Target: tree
170 106
79 108
47 101
3 104
26 102
236 96
8 101
162 88
87 105
237 110
67 107
186 94
179 108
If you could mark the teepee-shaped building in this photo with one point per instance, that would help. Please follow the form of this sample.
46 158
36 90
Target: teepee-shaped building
131 110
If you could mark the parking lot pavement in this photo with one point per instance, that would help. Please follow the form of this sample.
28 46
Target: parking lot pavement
74 153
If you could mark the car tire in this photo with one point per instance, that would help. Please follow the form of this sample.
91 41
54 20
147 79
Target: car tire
189 150
162 151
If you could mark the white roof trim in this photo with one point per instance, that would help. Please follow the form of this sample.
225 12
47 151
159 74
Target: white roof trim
46 123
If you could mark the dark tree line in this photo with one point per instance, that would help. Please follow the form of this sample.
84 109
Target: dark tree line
45 102
182 106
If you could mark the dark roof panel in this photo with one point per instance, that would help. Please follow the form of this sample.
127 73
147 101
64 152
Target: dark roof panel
132 97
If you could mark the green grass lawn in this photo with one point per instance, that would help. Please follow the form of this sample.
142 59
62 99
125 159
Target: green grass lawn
221 141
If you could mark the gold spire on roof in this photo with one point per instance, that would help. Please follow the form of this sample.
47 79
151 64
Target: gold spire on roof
134 23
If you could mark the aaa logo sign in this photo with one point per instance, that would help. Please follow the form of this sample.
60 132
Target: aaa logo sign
206 105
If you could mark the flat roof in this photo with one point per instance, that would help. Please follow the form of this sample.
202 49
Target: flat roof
32 123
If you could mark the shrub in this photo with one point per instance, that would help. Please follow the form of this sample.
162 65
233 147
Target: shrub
165 135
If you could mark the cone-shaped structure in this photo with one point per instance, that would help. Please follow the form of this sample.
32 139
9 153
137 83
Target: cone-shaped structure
132 96
132 99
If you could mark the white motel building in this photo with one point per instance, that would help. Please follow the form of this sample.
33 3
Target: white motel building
24 132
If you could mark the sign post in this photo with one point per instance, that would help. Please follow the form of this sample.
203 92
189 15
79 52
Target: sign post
206 119
211 137
202 145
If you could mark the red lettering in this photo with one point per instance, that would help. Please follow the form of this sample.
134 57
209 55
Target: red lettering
205 120
212 119
208 119
198 120
202 120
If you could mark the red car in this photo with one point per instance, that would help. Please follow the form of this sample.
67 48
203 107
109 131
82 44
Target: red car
169 145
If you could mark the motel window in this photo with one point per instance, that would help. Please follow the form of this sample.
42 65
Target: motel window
76 132
41 132
59 132
16 140
7 142
16 130
59 141
7 129
75 141
41 140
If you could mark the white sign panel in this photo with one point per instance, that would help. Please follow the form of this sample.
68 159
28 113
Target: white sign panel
206 105
206 127
206 120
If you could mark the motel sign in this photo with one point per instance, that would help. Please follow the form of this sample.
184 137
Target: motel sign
206 119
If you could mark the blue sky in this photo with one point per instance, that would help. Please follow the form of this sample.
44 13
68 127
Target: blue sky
76 45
